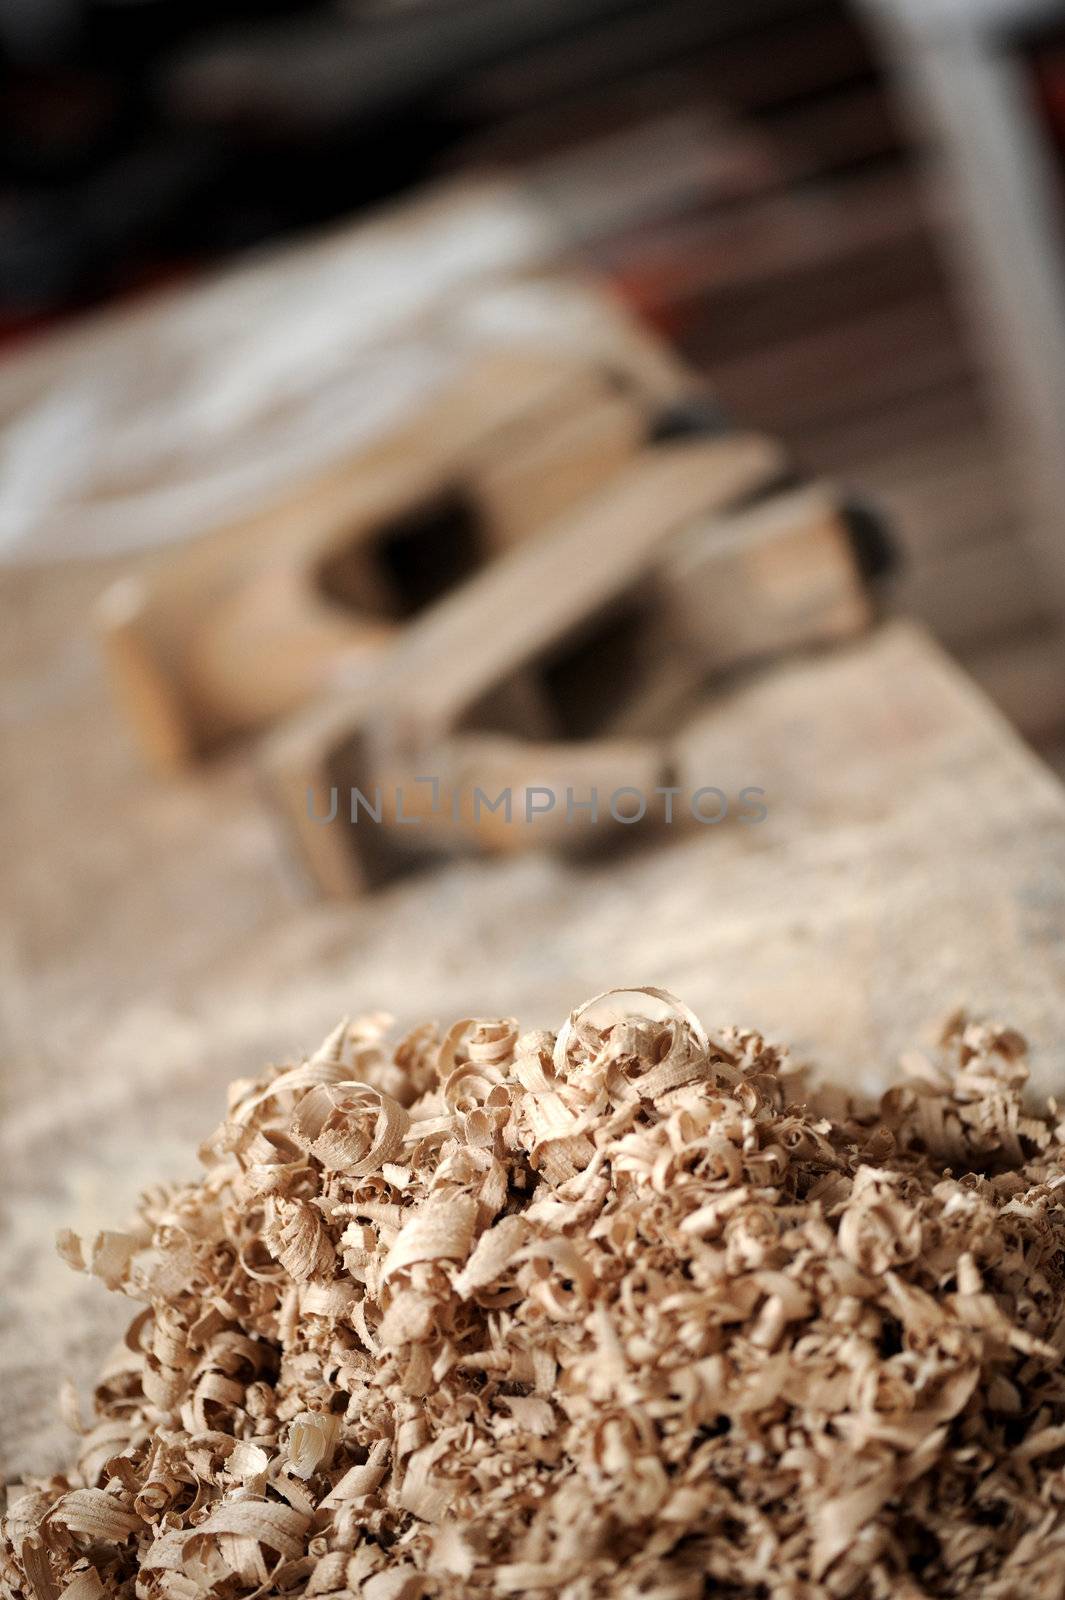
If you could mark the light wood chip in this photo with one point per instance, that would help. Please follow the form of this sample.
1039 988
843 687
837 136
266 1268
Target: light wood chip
626 1311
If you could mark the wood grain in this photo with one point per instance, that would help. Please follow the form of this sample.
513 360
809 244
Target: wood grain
157 942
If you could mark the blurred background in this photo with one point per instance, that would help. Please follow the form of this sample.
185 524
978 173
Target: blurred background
843 216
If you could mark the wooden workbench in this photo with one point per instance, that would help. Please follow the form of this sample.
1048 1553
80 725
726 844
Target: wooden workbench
158 940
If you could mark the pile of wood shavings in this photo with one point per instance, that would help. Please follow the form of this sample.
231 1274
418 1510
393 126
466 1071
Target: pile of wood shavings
599 1315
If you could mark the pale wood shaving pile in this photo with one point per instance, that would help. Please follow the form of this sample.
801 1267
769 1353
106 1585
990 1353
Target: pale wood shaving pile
610 1314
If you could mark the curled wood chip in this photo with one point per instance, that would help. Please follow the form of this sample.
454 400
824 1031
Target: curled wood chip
311 1441
110 1257
441 1231
84 1585
606 1314
69 1247
96 1513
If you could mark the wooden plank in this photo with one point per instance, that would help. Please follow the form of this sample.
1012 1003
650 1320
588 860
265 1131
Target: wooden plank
913 857
705 254
764 54
876 359
883 430
943 494
764 316
1025 677
973 593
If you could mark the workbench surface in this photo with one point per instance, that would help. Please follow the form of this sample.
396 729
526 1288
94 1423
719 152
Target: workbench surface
159 939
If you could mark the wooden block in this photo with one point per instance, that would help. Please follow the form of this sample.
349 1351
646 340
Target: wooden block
518 612
557 465
779 576
521 606
499 796
250 622
148 696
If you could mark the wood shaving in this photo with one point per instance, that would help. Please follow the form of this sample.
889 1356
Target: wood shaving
626 1311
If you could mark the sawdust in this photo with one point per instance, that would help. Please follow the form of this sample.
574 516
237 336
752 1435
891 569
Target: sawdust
628 1311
